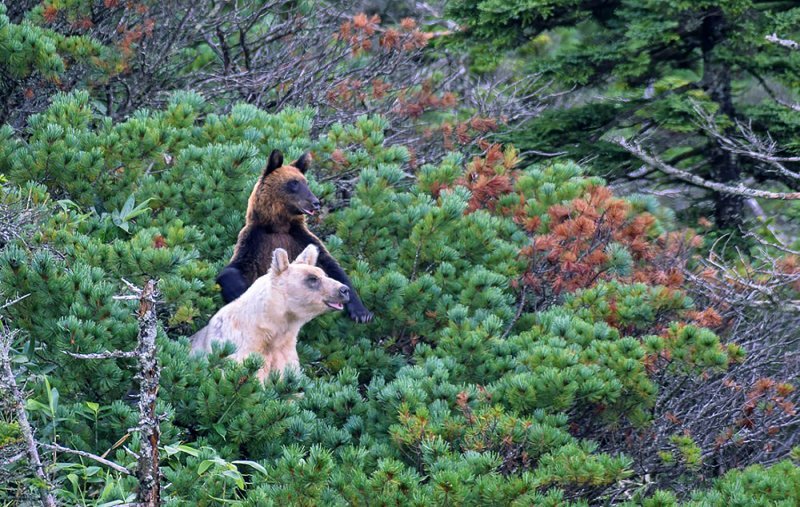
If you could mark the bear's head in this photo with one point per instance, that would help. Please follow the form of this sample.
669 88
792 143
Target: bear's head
282 193
306 289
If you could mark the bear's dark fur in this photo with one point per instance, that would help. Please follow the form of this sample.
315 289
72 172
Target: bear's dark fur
276 219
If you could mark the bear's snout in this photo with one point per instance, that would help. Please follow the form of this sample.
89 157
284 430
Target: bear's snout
340 297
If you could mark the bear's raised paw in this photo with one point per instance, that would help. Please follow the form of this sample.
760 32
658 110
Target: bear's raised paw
359 314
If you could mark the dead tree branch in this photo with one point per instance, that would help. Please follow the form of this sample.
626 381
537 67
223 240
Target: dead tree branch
787 43
116 354
8 384
147 471
110 464
748 144
636 150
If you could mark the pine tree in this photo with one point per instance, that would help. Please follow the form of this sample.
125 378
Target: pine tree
33 62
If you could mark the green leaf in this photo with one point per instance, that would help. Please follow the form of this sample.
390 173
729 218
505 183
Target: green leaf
73 479
253 464
34 405
128 206
205 465
236 476
220 429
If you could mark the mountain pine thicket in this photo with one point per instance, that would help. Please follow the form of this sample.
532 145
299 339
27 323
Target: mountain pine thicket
538 340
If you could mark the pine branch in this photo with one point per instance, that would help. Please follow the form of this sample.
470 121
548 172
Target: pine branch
8 384
637 151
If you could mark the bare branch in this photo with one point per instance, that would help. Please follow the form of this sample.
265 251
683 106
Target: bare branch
13 301
117 354
12 459
788 43
749 144
761 215
517 314
8 384
636 150
110 464
794 106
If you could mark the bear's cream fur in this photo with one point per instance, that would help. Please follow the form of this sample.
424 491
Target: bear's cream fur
266 319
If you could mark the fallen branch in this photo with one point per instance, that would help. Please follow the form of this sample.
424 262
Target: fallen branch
637 151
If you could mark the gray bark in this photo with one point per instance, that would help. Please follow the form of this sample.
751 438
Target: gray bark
8 384
147 472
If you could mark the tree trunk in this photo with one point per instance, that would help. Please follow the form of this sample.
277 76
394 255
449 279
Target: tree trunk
717 82
148 473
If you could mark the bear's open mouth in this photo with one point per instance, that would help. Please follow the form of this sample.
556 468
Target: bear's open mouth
334 305
307 211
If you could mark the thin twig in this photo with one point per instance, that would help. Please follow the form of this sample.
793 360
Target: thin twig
13 301
518 313
13 459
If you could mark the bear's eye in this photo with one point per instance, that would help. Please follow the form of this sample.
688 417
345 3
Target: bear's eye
312 281
293 185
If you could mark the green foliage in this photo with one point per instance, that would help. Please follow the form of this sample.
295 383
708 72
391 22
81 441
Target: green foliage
9 433
778 485
446 398
26 48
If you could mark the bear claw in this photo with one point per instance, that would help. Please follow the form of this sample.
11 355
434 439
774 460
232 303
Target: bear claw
361 315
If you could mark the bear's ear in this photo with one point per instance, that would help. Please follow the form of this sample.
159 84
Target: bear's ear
308 256
280 261
303 163
275 161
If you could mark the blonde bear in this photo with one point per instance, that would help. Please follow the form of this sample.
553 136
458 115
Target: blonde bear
266 319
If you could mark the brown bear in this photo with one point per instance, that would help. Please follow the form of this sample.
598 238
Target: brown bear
276 219
266 319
